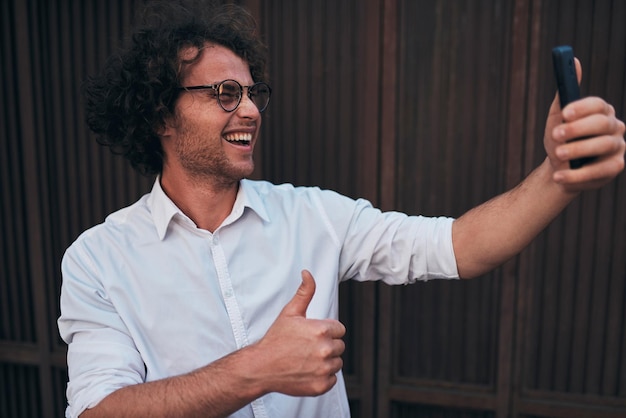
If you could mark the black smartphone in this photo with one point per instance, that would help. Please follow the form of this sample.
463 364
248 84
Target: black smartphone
567 84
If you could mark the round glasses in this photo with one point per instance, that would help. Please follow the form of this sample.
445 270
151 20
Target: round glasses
230 92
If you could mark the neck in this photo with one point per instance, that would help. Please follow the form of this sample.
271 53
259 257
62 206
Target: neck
205 202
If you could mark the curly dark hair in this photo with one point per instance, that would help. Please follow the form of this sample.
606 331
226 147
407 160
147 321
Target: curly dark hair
128 102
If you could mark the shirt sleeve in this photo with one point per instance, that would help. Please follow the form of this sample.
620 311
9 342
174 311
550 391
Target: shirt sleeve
391 246
101 354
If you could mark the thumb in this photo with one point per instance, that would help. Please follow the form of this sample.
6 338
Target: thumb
298 305
579 69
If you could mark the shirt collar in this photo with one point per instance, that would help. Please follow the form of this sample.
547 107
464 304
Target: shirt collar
161 207
164 210
248 197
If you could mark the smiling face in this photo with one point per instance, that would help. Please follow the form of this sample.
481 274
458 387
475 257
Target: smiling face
203 142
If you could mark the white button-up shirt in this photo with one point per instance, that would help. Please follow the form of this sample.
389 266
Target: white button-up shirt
147 295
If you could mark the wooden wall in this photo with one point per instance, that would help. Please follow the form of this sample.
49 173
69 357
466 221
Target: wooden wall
428 106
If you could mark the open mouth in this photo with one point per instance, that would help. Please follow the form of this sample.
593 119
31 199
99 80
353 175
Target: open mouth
242 139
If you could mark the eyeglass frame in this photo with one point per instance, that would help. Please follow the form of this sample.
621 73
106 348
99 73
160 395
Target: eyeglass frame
216 86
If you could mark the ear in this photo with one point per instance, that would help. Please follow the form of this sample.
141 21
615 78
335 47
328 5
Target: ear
167 128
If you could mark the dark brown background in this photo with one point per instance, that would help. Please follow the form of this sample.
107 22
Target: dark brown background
427 106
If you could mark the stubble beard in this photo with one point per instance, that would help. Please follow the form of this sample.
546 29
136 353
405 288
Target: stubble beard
205 161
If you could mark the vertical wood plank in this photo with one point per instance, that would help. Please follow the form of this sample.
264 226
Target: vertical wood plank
30 88
388 103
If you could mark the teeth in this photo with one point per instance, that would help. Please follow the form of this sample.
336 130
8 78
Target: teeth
239 137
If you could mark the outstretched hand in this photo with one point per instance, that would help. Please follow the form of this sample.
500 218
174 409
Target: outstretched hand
589 117
303 355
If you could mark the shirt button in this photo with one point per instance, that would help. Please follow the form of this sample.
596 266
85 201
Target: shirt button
216 241
228 294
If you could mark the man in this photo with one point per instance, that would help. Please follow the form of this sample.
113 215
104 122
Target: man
189 302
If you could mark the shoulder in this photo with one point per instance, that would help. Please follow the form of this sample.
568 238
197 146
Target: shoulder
126 226
288 194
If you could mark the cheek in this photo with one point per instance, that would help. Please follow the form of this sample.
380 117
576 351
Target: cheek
203 127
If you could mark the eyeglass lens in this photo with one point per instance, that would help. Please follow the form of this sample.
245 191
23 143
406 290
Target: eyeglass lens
229 94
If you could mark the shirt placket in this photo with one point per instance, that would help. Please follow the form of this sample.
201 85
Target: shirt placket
232 308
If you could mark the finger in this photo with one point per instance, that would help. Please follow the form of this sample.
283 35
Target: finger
593 147
579 70
587 106
555 118
595 173
330 367
592 177
322 385
338 347
590 126
332 348
298 305
336 330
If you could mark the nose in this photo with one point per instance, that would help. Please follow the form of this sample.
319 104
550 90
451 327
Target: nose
247 108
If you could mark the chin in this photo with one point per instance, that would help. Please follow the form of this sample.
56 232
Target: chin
245 172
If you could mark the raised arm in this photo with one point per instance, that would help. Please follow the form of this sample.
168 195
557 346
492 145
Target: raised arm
495 231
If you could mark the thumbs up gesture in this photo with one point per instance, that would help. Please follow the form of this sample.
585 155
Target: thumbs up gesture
300 302
302 355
